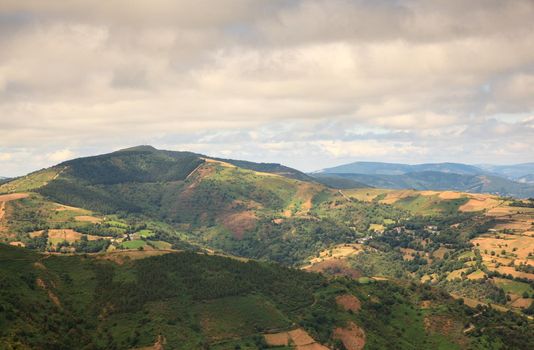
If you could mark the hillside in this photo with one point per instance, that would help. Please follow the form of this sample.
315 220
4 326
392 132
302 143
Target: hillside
191 301
185 197
401 253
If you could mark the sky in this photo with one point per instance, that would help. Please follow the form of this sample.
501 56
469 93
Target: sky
306 83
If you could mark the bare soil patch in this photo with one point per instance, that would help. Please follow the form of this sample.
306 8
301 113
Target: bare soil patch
480 202
297 337
349 302
17 244
277 339
300 337
88 218
522 303
395 196
352 337
336 267
239 222
450 195
12 196
337 252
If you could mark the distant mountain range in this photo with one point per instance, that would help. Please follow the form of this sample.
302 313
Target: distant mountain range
509 180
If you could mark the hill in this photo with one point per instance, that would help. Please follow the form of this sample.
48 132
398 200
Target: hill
191 301
401 253
209 202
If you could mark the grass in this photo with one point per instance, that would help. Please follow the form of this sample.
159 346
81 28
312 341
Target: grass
135 244
145 233
160 244
514 287
29 182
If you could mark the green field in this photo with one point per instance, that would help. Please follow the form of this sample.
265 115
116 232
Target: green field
514 287
135 244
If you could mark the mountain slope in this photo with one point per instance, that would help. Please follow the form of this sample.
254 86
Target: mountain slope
195 301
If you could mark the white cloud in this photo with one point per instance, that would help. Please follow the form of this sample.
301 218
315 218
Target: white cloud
92 76
60 156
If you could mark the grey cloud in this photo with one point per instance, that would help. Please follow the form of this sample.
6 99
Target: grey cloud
298 81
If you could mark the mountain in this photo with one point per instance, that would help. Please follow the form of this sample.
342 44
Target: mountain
529 179
178 250
514 172
438 176
433 180
377 168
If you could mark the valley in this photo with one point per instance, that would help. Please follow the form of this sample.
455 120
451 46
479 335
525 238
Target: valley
252 256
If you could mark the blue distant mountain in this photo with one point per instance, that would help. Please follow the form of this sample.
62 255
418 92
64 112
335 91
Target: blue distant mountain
510 180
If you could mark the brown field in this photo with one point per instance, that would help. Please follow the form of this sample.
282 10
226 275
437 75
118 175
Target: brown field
456 274
17 244
365 194
450 195
395 196
408 253
88 218
4 198
349 302
429 278
337 267
298 337
522 303
440 252
239 222
35 234
468 301
477 275
337 252
12 196
523 245
480 202
65 234
61 207
277 339
509 270
352 337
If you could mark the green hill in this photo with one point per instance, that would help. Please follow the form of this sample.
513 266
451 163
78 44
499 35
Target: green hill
195 301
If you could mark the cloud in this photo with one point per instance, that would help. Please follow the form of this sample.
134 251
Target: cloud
60 156
436 78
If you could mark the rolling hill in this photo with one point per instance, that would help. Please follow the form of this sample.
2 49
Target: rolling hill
438 176
120 244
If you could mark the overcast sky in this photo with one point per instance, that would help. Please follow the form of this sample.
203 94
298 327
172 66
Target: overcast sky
306 83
